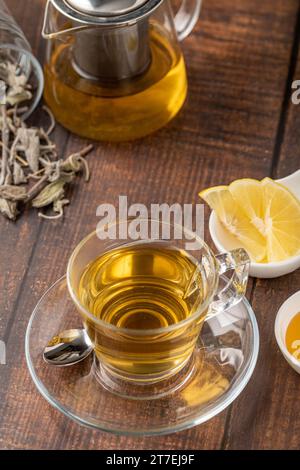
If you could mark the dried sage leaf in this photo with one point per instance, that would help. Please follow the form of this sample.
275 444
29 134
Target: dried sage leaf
18 174
29 138
51 193
59 205
9 73
28 153
2 93
17 96
5 170
13 193
8 209
72 164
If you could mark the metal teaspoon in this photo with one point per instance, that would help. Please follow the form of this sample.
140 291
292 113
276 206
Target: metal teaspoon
68 348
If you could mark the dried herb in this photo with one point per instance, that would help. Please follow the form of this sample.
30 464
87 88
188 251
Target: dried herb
18 174
9 209
18 88
31 171
50 194
13 193
30 144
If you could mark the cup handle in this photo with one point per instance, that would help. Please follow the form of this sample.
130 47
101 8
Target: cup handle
237 261
186 17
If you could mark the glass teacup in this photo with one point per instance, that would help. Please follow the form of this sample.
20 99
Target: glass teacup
144 302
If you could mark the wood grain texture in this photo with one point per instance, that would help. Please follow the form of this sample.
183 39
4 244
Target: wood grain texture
235 120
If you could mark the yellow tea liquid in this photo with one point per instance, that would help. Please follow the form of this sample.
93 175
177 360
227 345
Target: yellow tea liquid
143 286
121 110
292 337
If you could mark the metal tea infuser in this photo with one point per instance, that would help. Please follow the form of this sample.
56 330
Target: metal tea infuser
114 69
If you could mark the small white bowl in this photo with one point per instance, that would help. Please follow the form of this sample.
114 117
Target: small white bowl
224 241
285 314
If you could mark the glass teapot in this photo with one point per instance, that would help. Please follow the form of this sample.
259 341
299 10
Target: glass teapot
114 69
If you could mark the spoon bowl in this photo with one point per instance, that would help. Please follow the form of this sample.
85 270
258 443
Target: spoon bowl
68 348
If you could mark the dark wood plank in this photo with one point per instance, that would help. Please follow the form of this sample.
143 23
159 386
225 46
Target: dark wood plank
18 239
14 238
226 130
267 415
289 158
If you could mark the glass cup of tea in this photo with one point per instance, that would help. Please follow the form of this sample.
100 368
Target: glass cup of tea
143 302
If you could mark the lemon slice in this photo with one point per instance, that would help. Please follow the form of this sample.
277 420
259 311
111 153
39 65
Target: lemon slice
263 215
249 193
281 220
235 220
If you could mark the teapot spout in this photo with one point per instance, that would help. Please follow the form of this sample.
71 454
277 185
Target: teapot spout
51 29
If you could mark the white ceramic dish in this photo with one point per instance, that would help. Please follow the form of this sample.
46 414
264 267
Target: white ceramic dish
286 312
224 241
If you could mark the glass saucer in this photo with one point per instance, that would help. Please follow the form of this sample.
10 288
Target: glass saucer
221 366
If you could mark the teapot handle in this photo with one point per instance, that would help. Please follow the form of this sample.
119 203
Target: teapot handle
186 17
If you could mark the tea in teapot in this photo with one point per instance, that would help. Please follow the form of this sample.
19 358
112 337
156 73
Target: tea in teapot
114 69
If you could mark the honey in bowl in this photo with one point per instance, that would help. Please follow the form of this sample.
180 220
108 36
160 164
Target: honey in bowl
292 337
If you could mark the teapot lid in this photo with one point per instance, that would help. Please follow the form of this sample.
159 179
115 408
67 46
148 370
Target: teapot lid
105 11
105 7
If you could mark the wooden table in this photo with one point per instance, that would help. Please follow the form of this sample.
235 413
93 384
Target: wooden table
238 122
